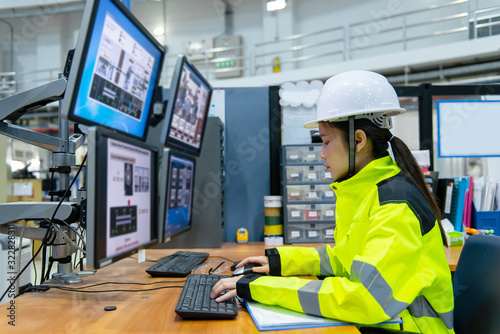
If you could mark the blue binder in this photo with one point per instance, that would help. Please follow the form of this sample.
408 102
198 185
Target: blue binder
463 185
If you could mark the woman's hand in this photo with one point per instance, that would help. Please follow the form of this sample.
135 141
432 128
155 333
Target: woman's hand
223 285
230 283
262 261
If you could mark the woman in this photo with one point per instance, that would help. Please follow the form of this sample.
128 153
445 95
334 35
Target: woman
389 258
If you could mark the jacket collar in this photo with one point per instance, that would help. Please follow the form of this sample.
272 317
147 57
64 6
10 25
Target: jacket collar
374 172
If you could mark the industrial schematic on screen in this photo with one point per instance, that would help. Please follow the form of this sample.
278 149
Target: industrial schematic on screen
122 71
127 196
189 110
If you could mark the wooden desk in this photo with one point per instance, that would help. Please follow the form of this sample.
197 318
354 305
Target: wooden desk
57 311
452 254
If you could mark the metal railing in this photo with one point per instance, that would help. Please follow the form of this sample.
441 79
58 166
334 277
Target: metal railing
405 28
453 21
299 48
362 39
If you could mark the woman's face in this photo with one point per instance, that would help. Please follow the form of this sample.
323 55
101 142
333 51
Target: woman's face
335 151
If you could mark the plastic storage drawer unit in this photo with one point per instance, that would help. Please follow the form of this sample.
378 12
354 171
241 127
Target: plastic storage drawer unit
311 232
308 200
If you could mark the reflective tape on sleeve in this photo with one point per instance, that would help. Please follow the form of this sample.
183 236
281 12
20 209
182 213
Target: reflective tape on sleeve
325 264
421 308
309 299
381 291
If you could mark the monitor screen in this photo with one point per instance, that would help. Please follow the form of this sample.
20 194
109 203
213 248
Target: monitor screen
176 194
121 201
187 108
114 71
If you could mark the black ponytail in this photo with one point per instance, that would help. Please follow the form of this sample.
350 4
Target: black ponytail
404 158
409 166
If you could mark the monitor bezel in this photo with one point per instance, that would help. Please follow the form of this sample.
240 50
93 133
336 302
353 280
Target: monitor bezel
172 96
80 57
164 194
97 183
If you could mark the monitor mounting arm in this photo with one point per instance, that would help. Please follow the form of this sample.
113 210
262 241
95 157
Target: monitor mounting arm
13 107
63 154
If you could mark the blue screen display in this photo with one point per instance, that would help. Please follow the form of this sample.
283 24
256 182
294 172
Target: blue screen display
119 73
179 195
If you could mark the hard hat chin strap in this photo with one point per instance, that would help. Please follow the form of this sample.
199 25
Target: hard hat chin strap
352 147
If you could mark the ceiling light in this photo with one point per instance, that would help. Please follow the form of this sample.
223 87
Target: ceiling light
158 31
273 5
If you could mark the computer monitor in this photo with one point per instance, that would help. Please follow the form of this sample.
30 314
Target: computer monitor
121 197
114 71
187 108
176 193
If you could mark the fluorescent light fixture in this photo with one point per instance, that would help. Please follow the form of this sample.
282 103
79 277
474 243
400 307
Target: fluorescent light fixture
273 5
159 31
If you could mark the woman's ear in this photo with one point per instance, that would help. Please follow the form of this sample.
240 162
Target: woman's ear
360 140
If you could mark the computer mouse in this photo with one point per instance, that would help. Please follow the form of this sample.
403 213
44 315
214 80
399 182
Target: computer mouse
245 269
233 267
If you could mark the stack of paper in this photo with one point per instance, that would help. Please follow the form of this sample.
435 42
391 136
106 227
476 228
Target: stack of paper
486 194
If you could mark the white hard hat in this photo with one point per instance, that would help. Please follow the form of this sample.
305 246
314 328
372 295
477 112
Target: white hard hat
362 94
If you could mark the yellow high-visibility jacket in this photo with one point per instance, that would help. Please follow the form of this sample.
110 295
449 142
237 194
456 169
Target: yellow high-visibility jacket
388 259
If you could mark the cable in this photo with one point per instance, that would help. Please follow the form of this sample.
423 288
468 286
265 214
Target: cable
18 265
44 262
52 187
123 283
82 256
222 257
49 239
73 229
80 263
47 274
101 291
33 256
65 236
44 240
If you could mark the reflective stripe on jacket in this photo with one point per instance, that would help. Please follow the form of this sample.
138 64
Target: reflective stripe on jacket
388 259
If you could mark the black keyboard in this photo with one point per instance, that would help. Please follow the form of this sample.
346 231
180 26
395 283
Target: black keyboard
195 301
178 264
